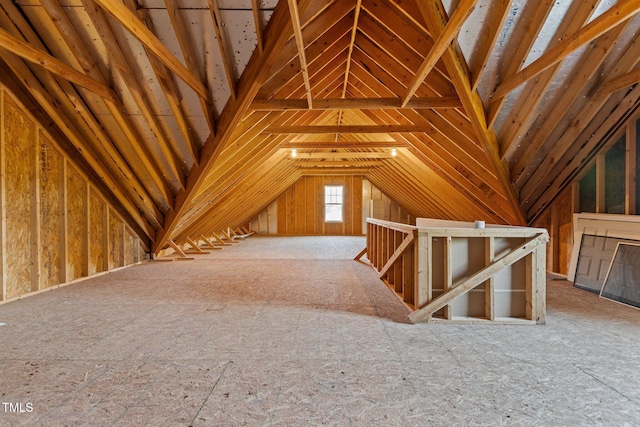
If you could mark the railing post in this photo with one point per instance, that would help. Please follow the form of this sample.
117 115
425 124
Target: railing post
448 275
423 268
489 254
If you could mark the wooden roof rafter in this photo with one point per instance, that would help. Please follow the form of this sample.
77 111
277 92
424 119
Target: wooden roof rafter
111 43
615 15
621 82
297 33
139 30
577 80
186 45
592 113
223 45
489 38
356 103
36 56
436 19
526 36
524 113
253 77
257 20
82 54
57 95
445 37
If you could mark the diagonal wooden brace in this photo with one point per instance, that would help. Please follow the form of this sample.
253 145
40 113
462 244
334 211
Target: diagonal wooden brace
406 243
478 278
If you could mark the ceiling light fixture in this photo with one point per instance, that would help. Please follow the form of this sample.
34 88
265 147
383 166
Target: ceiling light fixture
394 152
294 152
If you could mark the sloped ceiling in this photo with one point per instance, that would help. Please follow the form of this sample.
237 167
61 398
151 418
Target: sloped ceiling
187 110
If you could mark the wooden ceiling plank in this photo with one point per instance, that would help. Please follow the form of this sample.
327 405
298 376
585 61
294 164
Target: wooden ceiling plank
252 78
223 45
128 75
540 146
435 17
448 33
257 19
534 15
186 46
128 20
489 36
350 129
525 111
85 58
54 65
356 103
615 15
297 32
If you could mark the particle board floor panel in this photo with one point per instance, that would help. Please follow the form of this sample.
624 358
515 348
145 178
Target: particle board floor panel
279 331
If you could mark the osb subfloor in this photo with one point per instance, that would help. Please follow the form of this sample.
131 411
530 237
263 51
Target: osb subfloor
291 331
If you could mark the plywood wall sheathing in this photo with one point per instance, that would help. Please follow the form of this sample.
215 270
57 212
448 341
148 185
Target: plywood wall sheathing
53 219
19 133
116 241
76 208
50 180
96 234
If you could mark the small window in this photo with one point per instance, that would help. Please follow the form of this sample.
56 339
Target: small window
333 201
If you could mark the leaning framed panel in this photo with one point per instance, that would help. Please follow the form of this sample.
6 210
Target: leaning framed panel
622 283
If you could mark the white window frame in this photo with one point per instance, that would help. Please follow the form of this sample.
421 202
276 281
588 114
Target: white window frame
333 199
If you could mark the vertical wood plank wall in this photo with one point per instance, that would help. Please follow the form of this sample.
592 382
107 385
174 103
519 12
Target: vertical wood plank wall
53 226
557 218
301 207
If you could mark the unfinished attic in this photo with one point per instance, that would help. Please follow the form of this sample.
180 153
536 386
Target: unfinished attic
136 131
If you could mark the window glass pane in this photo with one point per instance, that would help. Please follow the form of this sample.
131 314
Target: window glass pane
614 173
333 213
